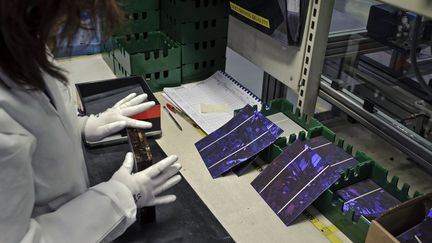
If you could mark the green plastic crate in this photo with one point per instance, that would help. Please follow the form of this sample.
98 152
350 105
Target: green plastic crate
139 22
119 71
133 6
203 50
194 10
166 78
156 80
150 53
201 70
191 32
108 57
328 204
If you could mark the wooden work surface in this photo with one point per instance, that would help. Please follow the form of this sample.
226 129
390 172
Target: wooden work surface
232 199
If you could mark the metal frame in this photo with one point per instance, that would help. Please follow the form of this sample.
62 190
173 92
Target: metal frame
300 69
297 67
272 89
407 141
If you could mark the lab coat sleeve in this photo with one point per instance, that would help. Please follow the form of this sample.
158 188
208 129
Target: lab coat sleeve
101 213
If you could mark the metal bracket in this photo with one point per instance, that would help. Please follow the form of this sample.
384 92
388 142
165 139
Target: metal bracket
319 19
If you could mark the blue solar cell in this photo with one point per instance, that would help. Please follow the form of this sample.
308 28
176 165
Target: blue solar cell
419 233
300 174
367 198
244 136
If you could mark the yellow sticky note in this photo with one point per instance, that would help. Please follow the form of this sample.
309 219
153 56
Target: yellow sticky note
214 108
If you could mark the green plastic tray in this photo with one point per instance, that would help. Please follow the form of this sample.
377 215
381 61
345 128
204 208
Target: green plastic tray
150 53
203 50
195 10
191 32
327 204
201 70
139 22
134 6
287 108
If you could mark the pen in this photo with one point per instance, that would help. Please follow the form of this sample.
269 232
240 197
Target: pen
172 117
175 110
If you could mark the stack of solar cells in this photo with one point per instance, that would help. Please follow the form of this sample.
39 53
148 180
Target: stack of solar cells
300 175
366 198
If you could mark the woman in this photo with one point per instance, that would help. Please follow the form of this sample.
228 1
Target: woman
44 194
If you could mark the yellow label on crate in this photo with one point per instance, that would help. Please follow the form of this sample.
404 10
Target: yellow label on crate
249 15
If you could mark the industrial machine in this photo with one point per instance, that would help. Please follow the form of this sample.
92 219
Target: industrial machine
375 70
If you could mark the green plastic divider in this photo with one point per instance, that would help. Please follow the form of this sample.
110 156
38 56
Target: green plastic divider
203 50
139 22
133 6
287 108
328 204
190 11
201 70
191 32
150 53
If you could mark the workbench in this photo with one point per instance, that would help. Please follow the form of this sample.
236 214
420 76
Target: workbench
231 198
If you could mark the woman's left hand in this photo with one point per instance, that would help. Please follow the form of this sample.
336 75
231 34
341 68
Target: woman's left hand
117 118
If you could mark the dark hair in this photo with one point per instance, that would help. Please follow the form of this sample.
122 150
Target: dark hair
26 27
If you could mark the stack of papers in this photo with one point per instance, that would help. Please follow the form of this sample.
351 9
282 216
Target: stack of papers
219 95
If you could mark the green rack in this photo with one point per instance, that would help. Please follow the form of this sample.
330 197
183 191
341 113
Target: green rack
150 53
195 10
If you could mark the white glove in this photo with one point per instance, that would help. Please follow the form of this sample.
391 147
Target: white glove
117 118
149 183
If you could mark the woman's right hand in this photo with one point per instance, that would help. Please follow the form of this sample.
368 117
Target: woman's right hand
146 185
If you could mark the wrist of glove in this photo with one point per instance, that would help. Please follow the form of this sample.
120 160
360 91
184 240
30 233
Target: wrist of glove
117 118
148 184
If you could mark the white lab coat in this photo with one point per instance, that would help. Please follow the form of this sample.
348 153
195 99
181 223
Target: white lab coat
44 194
